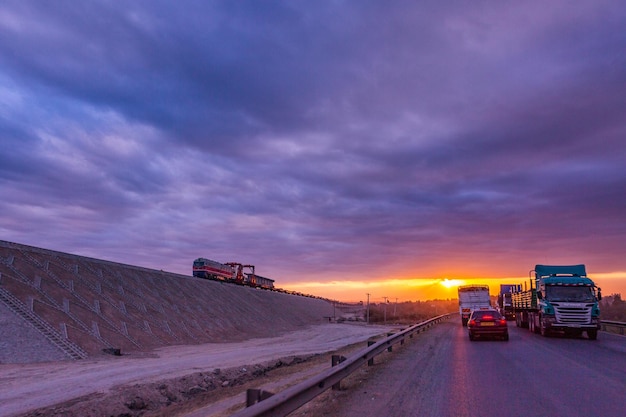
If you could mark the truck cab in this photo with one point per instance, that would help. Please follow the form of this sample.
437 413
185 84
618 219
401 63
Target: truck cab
567 301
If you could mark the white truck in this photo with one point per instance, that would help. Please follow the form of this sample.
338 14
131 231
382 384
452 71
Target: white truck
472 297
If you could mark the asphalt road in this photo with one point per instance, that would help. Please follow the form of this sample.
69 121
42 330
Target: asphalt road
441 373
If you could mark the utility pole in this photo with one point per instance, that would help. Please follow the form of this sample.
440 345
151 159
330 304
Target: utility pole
368 308
385 309
395 308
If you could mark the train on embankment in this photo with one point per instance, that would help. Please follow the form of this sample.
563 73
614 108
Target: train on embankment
233 272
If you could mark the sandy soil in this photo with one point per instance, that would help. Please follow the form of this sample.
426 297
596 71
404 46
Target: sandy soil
138 385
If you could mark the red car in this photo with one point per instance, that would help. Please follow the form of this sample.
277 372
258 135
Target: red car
487 323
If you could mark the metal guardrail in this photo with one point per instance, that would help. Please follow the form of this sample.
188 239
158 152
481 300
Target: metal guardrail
296 396
613 327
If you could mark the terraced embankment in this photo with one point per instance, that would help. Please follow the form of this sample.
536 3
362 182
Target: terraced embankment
56 305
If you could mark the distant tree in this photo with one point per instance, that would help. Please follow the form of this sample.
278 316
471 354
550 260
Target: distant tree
613 308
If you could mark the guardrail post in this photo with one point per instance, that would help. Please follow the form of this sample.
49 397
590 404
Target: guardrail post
336 360
254 396
390 348
370 362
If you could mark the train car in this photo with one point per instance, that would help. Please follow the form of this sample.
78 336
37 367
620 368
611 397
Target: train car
259 281
208 269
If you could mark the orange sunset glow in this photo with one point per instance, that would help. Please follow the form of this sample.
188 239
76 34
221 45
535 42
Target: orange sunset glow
427 288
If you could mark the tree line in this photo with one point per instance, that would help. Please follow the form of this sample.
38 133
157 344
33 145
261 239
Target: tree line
411 312
612 308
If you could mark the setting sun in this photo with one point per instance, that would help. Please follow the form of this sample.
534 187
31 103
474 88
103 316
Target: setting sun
449 283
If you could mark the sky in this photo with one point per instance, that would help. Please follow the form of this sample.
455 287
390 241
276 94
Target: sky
345 148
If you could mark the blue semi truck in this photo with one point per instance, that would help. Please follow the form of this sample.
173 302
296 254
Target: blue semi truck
505 303
559 299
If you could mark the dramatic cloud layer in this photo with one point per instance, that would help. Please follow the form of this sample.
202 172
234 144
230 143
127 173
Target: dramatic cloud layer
320 141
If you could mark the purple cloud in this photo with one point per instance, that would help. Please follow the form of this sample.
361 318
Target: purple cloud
325 141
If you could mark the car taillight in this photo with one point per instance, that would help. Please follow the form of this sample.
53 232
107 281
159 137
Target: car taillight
487 317
502 322
472 322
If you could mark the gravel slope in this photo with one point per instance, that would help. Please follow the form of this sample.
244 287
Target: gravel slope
32 386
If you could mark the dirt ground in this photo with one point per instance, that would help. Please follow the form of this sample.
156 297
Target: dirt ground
205 380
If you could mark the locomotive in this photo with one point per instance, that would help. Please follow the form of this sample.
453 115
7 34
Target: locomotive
230 272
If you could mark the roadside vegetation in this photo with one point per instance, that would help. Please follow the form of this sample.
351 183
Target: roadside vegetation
410 312
613 308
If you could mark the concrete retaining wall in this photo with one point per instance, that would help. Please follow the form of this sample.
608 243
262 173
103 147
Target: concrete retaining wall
100 304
